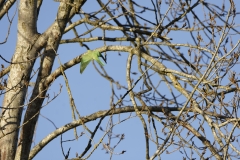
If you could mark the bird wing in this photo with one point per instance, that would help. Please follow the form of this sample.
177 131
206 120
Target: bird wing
96 58
86 59
84 65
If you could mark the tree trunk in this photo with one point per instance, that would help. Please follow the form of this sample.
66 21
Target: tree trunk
21 67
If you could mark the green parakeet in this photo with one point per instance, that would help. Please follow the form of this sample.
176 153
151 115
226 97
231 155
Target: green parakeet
88 57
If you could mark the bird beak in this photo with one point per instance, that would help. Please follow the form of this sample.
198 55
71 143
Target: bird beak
103 58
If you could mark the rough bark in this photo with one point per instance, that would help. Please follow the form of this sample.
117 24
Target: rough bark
23 60
54 35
